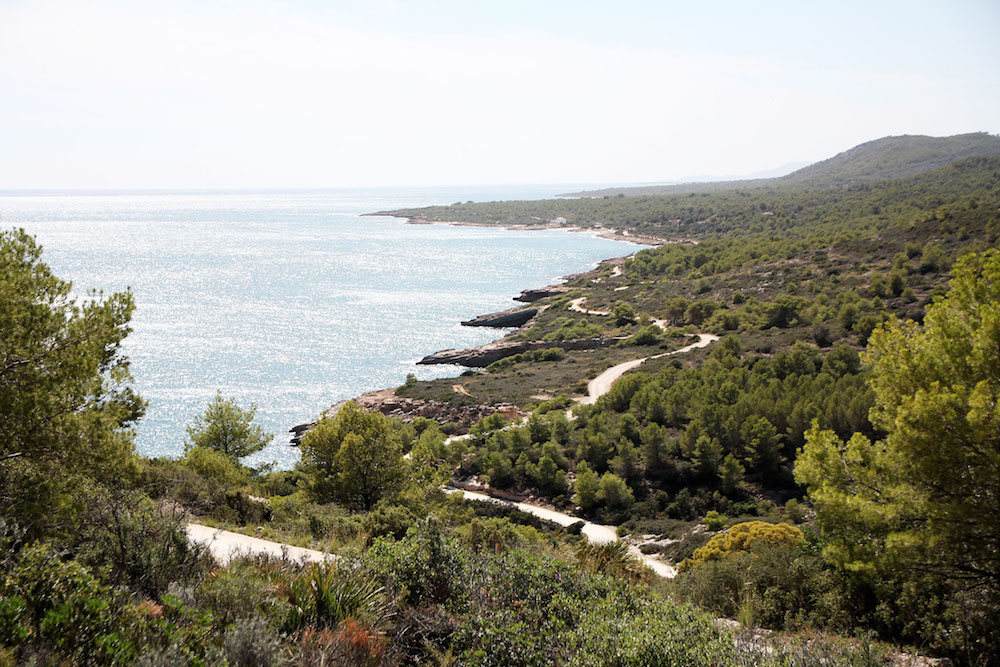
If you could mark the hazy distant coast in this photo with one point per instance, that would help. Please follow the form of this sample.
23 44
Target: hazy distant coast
610 234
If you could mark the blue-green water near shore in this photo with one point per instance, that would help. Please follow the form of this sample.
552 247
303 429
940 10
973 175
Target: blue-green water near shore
290 300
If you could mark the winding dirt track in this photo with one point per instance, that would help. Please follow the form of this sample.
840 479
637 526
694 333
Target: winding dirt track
595 532
602 383
225 545
598 533
577 305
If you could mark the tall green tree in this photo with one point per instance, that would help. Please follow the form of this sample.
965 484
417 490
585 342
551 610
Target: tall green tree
354 457
66 410
927 496
763 445
228 429
730 474
614 492
586 486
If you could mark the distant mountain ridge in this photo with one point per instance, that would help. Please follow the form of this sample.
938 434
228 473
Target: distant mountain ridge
883 159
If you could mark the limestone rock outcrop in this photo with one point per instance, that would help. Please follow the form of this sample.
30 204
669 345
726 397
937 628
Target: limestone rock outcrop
484 355
512 317
532 295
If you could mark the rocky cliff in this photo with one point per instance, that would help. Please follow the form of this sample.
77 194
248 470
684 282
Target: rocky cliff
484 355
512 317
532 295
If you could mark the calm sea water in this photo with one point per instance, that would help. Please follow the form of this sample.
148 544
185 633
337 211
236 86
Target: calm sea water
290 300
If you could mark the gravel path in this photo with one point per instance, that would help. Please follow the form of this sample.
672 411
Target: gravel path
577 305
595 532
602 383
225 545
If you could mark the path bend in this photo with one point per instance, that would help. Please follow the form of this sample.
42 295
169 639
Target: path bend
602 383
595 532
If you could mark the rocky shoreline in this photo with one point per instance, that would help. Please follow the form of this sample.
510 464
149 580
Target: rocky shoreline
407 409
484 355
503 319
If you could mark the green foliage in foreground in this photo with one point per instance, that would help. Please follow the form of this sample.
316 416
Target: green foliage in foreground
66 410
401 602
923 499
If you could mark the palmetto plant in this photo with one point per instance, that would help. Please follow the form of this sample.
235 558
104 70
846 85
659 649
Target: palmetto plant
327 595
611 558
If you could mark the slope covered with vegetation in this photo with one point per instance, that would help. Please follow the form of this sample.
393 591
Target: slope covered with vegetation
796 282
879 160
826 469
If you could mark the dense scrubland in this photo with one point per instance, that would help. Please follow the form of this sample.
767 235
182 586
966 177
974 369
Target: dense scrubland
828 469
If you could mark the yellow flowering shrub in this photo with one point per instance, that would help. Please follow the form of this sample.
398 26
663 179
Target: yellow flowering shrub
743 537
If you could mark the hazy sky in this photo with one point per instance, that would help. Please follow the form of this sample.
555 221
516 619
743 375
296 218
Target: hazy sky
96 93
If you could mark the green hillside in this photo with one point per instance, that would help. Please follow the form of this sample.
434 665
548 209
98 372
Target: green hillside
771 209
879 160
824 467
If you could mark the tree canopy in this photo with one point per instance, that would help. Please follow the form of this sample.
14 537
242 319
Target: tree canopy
66 409
355 457
228 429
926 495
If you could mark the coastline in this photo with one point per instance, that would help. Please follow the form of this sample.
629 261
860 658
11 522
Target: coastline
386 396
598 232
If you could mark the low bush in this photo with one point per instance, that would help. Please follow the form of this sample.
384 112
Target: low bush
743 537
427 564
326 594
135 542
48 606
252 642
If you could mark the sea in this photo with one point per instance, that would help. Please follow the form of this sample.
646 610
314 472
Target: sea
290 300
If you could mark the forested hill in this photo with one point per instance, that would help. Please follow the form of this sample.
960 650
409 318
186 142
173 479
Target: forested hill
879 160
770 210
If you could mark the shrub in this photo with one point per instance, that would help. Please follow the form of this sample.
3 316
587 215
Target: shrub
489 535
392 520
743 537
215 465
356 644
252 642
774 587
629 631
167 478
240 591
714 520
648 335
427 563
139 545
611 558
62 607
326 595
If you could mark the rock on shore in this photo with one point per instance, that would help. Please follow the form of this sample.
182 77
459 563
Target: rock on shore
532 295
484 355
512 317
